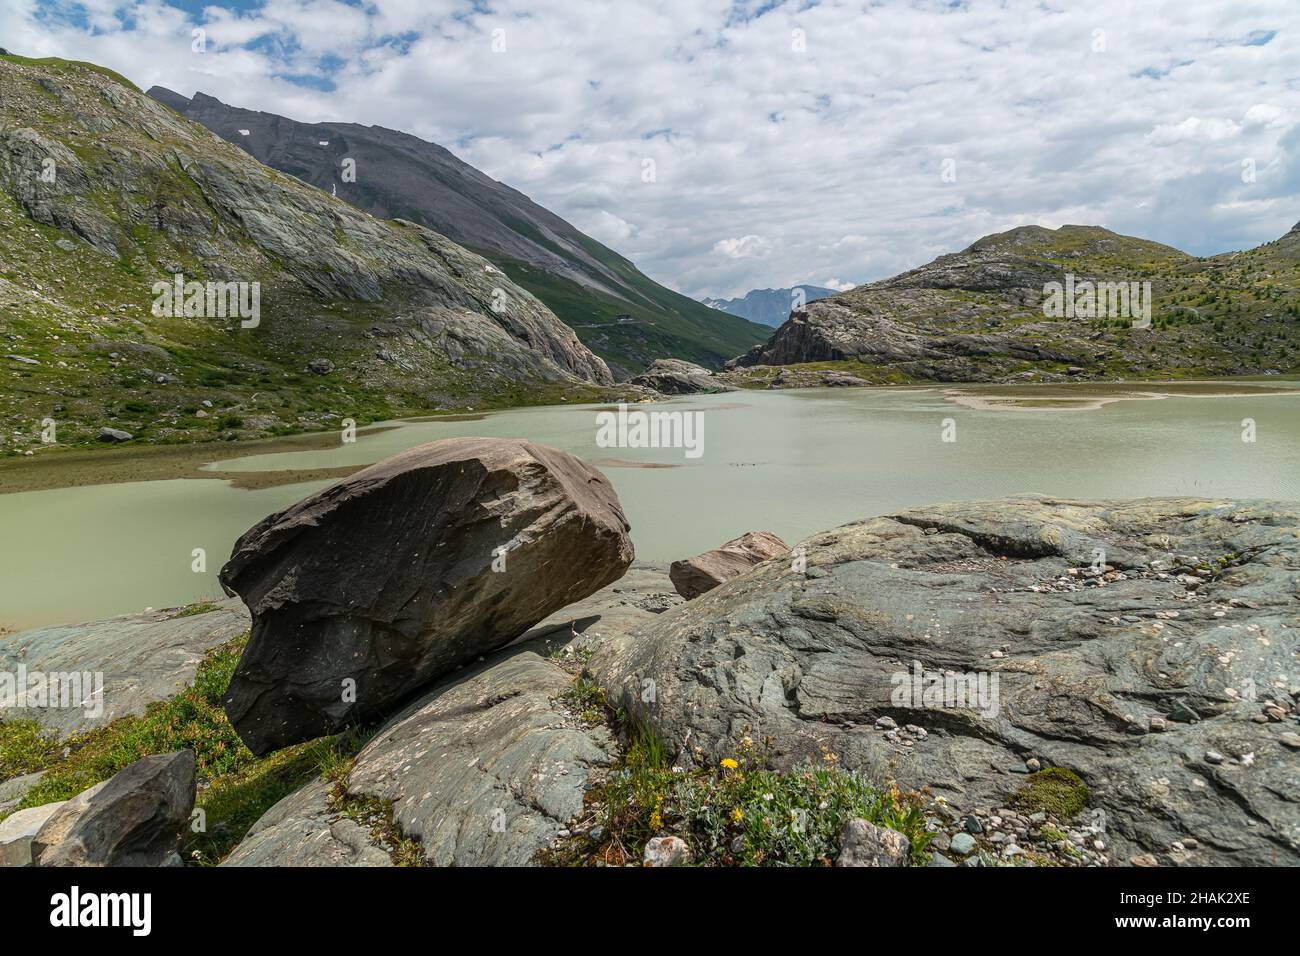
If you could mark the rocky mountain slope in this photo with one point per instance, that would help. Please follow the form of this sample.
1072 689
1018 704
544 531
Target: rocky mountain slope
768 306
979 315
620 313
104 192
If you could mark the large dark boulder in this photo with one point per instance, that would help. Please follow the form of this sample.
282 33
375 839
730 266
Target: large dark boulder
377 585
1148 646
137 818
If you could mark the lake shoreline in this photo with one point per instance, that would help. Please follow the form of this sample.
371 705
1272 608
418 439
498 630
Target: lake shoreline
788 462
83 466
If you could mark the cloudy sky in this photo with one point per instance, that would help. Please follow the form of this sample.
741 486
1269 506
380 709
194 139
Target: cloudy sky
826 142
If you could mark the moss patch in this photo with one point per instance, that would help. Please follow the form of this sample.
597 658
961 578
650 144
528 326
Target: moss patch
1055 790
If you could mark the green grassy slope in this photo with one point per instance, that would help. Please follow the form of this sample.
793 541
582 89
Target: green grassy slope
664 323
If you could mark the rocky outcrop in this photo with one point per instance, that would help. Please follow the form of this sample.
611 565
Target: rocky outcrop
136 818
302 830
704 572
379 584
832 330
985 314
59 824
638 597
489 768
675 377
142 658
1148 646
13 790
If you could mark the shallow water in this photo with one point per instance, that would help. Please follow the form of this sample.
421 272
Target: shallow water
789 462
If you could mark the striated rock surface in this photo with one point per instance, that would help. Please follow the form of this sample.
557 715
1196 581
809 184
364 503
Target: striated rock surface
704 572
487 768
302 830
675 377
14 789
641 594
1166 679
60 824
143 658
379 584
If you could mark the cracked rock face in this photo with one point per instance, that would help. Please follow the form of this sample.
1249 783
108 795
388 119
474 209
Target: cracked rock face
486 770
1149 645
374 587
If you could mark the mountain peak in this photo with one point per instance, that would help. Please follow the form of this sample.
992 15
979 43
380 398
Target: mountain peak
621 313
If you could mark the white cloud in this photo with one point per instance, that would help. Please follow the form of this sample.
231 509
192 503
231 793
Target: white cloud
833 155
743 247
608 228
1264 114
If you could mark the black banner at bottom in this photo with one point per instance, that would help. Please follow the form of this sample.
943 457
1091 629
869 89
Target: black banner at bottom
335 906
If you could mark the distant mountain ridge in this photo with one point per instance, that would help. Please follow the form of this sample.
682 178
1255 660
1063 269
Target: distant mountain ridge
617 311
985 314
768 306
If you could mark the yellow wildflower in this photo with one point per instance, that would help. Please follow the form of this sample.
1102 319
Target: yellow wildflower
737 814
729 764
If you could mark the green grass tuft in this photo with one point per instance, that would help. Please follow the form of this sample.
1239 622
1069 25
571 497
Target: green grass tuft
741 813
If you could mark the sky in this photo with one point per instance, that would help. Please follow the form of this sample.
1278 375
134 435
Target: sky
727 146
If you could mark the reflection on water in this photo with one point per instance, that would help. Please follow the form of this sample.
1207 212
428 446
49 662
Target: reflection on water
788 462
